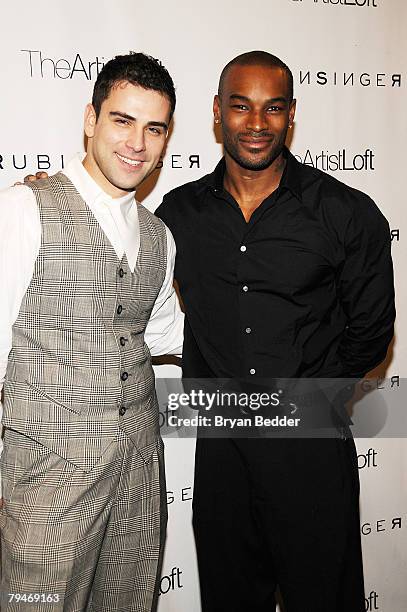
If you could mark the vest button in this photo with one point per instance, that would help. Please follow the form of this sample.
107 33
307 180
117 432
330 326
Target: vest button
122 341
122 410
119 309
124 376
121 272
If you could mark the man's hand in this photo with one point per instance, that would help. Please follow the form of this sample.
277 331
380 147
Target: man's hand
35 177
31 178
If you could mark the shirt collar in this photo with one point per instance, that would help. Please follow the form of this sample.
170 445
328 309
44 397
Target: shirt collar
90 190
290 180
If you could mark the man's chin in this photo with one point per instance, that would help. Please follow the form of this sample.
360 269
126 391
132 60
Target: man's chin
130 188
252 161
129 185
254 164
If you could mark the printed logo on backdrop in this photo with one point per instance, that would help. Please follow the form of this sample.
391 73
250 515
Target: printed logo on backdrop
382 526
42 65
378 409
178 161
372 601
342 159
349 78
171 581
180 495
32 161
56 161
371 384
395 235
357 3
368 459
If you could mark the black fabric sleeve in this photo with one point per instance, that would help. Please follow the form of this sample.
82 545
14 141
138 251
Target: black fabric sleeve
163 212
366 291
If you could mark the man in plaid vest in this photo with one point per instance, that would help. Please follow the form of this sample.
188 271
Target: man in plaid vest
86 276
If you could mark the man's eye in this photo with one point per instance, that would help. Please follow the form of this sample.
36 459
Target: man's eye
122 122
274 109
155 130
241 107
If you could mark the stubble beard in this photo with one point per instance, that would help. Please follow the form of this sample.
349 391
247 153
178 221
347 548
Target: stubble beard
232 148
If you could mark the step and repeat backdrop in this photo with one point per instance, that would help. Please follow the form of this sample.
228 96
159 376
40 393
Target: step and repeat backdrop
348 58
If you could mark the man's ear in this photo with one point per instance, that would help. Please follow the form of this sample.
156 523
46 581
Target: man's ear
89 121
216 109
291 112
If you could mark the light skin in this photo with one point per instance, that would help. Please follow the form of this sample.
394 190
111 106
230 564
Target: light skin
133 124
125 142
255 112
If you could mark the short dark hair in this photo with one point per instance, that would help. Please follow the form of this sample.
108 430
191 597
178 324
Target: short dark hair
138 69
258 58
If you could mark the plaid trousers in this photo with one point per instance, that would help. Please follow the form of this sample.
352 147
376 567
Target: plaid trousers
72 540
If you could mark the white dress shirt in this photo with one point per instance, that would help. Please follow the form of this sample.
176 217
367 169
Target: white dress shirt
20 240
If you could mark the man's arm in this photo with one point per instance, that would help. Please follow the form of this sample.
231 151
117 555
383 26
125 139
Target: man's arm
20 238
366 291
164 331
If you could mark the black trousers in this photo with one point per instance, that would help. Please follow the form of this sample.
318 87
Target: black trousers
278 512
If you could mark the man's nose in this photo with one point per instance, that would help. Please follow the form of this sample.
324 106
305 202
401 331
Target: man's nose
136 140
256 121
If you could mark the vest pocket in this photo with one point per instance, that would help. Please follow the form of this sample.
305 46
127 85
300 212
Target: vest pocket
42 394
20 455
141 424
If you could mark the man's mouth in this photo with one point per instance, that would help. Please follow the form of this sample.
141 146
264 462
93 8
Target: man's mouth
255 144
130 162
260 140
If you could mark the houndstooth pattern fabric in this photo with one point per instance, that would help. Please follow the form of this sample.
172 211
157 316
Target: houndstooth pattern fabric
86 541
78 351
82 462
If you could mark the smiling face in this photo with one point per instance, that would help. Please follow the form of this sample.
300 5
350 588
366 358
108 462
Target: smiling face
126 140
255 111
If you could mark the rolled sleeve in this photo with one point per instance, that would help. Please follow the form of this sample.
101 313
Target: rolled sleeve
164 331
366 291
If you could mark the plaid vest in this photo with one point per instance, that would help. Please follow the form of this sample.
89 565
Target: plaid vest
79 367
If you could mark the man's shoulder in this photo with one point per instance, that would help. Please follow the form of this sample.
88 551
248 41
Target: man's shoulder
183 193
18 209
54 183
335 194
13 191
192 187
14 196
149 219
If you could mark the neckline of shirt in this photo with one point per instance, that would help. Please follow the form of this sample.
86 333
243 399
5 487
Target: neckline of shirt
92 193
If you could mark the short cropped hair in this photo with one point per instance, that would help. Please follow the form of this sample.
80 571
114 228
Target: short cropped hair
135 68
258 58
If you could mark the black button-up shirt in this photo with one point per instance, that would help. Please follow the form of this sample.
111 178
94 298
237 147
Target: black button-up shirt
305 288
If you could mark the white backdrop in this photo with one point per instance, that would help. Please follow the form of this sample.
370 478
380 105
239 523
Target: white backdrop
349 63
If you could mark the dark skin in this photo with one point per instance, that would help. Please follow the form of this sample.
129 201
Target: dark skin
255 113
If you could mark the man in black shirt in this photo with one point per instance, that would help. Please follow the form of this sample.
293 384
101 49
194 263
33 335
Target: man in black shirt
284 272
